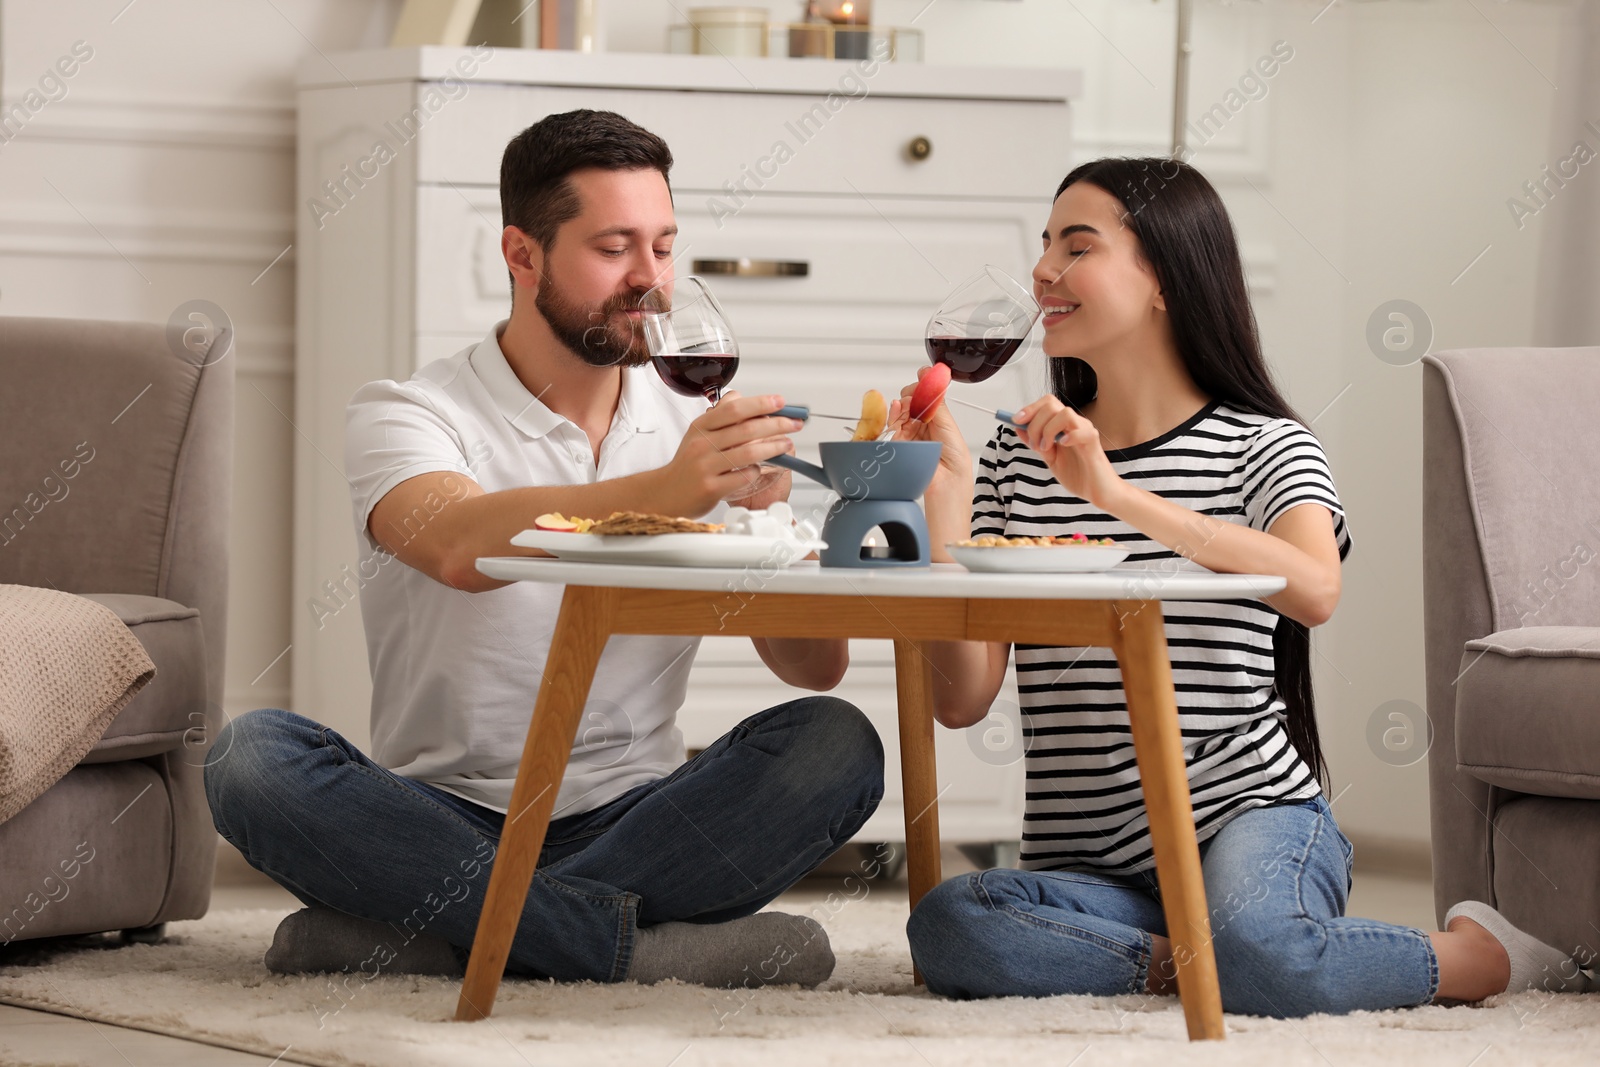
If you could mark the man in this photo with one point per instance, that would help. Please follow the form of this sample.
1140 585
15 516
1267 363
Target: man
653 868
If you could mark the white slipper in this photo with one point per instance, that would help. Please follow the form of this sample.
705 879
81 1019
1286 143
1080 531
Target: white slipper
1534 964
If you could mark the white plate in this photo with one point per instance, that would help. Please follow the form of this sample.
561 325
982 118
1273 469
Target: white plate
1038 559
669 550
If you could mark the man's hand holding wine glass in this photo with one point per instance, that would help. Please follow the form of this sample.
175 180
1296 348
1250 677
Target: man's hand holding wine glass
721 454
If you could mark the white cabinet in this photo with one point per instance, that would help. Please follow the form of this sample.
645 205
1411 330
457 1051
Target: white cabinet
399 263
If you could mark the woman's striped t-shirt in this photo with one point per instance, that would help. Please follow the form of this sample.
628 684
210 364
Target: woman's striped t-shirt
1084 804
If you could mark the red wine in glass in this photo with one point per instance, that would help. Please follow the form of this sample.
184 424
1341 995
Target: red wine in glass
981 325
690 341
972 359
696 373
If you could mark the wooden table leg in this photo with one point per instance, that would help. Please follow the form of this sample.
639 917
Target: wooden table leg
1141 648
913 675
580 636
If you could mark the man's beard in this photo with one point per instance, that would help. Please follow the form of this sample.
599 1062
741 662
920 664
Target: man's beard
600 335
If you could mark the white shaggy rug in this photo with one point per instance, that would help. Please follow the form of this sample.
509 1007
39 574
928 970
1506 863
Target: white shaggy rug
207 984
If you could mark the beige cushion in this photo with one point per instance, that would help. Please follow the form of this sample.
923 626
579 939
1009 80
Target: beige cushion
67 666
1528 710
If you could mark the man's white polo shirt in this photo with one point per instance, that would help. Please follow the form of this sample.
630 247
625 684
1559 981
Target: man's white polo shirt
455 674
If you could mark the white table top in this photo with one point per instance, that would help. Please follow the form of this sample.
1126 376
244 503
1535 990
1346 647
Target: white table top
940 580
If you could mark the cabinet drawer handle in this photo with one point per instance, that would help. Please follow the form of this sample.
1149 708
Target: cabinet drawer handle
754 268
919 149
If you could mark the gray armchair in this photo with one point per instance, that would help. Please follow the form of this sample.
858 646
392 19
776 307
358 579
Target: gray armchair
140 524
1511 590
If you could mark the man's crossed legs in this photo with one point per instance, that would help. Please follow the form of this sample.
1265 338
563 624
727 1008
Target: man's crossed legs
663 882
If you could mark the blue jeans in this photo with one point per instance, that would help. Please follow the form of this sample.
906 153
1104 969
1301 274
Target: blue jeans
1276 879
717 839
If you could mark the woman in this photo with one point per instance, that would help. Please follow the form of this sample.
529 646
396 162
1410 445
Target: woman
1188 449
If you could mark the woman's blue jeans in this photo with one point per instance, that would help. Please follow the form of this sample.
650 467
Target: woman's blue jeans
717 839
1276 879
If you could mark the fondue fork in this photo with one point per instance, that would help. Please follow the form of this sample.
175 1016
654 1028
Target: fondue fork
1000 414
801 412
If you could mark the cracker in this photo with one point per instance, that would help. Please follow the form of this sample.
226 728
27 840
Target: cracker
643 524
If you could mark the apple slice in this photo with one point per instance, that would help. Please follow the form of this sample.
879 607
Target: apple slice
556 523
929 391
874 417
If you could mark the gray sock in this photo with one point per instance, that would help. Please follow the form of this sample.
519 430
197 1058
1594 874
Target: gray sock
322 939
769 948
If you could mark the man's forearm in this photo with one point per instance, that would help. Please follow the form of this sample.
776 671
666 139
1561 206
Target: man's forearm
483 525
815 663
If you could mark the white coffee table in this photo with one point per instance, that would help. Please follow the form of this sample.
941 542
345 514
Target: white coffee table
1117 609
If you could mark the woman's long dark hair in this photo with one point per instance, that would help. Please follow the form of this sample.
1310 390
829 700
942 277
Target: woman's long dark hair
1188 240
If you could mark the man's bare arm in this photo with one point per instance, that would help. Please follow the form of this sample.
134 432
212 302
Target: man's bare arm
442 522
815 663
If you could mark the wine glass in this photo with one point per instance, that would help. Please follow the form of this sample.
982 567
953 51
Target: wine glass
981 324
690 341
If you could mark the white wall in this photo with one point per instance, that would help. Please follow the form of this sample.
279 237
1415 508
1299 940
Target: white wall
1376 167
166 174
1446 121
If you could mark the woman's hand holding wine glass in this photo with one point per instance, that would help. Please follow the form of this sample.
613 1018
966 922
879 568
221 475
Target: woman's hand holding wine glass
948 498
974 332
955 461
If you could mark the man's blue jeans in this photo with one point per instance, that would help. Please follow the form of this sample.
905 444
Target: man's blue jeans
717 839
1276 879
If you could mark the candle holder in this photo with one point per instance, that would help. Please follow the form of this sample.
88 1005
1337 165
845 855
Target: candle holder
839 12
848 21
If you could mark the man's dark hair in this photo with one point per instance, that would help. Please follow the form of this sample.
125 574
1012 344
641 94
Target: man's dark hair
536 195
